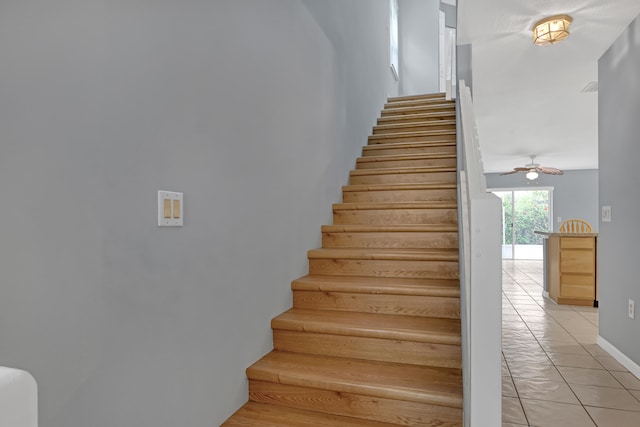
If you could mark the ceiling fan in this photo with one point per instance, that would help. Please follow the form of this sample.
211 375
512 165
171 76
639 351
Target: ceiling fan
532 169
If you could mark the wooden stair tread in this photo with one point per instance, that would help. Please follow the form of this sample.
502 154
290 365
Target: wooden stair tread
387 326
396 187
417 102
414 383
254 414
401 170
399 145
418 117
366 228
420 156
385 254
412 134
437 95
379 285
400 126
395 205
417 109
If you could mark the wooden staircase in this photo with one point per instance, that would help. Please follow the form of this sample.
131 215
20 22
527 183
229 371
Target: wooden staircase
373 338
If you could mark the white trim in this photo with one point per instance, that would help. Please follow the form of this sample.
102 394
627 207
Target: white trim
546 295
632 366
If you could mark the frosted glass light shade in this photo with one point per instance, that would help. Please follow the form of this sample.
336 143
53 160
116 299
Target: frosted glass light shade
551 30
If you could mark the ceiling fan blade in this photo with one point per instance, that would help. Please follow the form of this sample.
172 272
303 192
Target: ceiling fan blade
521 169
509 173
550 171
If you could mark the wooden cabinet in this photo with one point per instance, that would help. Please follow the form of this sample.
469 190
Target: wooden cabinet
571 268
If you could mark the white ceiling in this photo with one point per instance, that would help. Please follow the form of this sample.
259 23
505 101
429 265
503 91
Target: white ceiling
528 98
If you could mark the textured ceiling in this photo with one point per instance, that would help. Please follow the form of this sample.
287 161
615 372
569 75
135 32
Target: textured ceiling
528 99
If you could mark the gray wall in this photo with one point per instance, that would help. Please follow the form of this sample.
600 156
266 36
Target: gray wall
256 110
618 130
419 46
575 193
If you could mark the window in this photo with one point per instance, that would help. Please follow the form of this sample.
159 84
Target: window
393 38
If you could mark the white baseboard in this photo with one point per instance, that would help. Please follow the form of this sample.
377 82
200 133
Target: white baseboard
632 366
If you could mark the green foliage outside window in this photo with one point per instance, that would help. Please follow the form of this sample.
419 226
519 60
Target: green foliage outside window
531 214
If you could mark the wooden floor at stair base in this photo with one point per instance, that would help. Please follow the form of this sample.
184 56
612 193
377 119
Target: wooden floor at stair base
269 415
368 408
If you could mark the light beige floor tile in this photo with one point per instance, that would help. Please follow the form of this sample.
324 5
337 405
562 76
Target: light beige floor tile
628 380
531 388
610 364
508 389
544 371
595 350
512 411
574 360
513 425
605 397
583 376
636 393
614 418
560 347
552 414
528 358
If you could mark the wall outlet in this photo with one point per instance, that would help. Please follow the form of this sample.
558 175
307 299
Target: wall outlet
632 309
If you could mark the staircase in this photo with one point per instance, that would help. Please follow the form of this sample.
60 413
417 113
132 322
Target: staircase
373 338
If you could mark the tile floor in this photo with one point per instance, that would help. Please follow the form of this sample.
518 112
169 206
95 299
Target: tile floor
553 373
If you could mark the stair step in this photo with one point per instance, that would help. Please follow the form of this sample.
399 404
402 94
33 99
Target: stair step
396 213
417 118
254 414
379 285
412 383
399 148
424 136
423 126
392 327
385 338
417 263
404 175
440 95
417 103
429 108
379 193
388 236
381 295
446 160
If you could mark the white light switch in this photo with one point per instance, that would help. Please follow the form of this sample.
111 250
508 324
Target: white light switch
170 209
606 214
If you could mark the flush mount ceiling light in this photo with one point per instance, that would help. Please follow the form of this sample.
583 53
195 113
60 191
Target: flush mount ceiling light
551 30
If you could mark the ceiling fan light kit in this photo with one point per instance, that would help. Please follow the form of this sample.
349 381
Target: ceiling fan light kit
533 169
551 30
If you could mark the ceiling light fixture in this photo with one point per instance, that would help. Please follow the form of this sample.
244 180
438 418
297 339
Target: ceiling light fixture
551 30
531 175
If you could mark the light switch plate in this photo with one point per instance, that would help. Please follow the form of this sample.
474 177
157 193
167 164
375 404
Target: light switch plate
606 214
170 209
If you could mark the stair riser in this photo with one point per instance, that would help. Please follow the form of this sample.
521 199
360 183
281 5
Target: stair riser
406 240
374 196
417 103
365 348
385 268
422 127
407 305
409 414
395 216
446 162
416 118
390 139
429 96
436 148
405 178
442 108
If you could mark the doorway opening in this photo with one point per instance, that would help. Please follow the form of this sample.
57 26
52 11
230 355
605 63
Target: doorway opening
523 213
